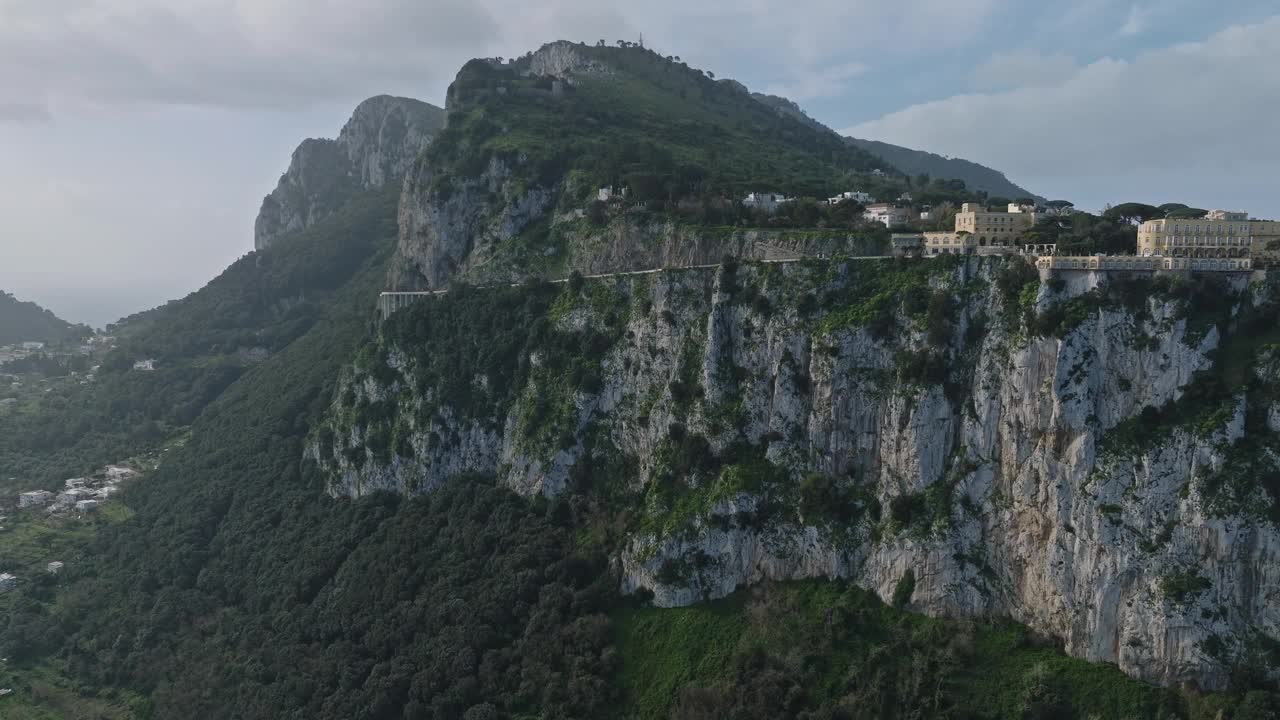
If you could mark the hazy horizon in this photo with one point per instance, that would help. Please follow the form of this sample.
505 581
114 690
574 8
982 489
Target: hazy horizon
140 138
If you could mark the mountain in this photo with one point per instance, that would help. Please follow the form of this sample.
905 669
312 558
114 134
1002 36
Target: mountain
25 321
529 142
376 147
828 488
916 162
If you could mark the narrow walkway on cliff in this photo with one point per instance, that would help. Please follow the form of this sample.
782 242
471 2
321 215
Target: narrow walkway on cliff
393 300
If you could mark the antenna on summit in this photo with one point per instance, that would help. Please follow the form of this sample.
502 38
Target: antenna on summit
641 40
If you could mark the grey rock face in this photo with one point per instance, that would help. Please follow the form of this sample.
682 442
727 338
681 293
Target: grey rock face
443 234
378 144
562 59
1001 490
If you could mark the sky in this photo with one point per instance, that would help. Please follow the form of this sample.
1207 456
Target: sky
138 137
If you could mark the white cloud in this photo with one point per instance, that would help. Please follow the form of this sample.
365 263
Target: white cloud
1192 115
1136 22
819 83
1023 68
236 53
286 53
23 112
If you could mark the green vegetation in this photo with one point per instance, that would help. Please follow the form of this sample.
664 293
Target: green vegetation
479 349
1183 586
202 345
651 122
830 650
869 294
1080 233
27 322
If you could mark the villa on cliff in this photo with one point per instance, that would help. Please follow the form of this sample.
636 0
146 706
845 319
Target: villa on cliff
977 227
1221 234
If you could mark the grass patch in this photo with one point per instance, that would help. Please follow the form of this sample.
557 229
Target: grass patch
829 649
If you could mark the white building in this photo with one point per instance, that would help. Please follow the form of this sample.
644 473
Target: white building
117 473
1227 216
33 346
35 498
54 567
76 483
147 365
8 582
86 505
67 498
767 202
605 194
887 214
855 195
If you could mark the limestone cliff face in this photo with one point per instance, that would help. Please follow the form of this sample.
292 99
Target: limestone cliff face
771 423
562 59
469 236
377 146
455 230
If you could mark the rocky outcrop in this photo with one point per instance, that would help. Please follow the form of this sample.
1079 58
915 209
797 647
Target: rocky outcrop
563 59
472 230
1005 473
457 227
377 146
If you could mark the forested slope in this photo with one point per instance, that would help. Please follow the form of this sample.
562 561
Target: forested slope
26 321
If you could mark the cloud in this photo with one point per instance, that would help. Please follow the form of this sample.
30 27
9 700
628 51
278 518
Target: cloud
1136 22
821 83
23 112
282 54
1023 68
1192 112
233 53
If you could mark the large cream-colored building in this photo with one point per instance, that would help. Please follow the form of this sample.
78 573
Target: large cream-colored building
994 228
1221 234
977 227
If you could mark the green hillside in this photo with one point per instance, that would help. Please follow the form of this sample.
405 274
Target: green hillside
978 178
27 322
202 343
919 162
638 118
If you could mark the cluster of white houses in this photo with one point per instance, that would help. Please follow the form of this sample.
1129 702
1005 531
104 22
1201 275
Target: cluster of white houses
82 495
888 214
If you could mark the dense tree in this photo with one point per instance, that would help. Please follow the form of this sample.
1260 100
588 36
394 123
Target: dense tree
1133 213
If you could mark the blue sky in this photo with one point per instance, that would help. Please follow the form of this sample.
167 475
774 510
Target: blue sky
137 137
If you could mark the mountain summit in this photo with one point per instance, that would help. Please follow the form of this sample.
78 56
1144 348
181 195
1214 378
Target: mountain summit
377 145
532 142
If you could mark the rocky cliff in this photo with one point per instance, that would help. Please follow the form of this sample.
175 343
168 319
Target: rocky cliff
377 146
1093 457
505 190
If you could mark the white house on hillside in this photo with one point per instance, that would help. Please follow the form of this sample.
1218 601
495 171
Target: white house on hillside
887 214
767 202
854 195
